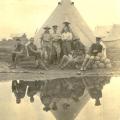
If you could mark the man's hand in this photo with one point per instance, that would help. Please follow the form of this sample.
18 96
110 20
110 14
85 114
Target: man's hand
94 51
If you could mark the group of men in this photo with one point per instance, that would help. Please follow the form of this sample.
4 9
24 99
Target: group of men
55 47
61 48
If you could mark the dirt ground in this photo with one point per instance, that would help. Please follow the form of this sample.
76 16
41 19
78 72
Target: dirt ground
37 74
22 73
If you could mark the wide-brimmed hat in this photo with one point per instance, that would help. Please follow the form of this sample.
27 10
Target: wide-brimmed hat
66 22
98 38
76 38
46 27
32 38
55 26
18 39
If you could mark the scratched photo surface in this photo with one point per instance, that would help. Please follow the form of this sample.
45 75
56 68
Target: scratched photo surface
59 78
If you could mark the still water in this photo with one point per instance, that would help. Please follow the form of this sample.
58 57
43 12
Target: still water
108 110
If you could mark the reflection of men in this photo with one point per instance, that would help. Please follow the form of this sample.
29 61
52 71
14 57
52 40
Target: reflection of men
32 51
56 48
66 41
95 49
96 94
32 90
18 52
19 90
46 41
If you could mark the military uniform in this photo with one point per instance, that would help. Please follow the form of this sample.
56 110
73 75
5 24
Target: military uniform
56 47
32 51
66 42
32 48
47 44
93 51
18 52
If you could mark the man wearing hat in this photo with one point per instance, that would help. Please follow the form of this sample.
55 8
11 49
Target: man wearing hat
66 24
17 52
94 50
46 42
66 37
56 48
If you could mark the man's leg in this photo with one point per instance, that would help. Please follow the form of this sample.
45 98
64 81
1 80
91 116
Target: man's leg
64 60
68 46
87 57
53 54
58 51
13 64
89 62
13 58
49 51
42 64
69 62
64 48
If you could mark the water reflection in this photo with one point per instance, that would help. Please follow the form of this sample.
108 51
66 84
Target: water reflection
62 94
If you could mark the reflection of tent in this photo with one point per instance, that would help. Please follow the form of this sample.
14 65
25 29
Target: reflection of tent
113 39
66 10
73 111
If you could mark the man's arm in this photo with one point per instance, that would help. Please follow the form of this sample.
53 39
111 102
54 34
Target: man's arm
33 50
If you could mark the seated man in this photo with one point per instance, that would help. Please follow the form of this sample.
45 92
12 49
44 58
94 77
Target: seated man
17 53
32 51
94 50
75 58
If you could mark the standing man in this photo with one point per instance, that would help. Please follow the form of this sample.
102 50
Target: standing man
94 50
66 41
46 42
56 48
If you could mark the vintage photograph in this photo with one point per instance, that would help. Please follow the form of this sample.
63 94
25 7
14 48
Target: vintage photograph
59 60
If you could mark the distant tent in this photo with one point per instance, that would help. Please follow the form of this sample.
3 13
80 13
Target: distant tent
102 31
113 39
67 11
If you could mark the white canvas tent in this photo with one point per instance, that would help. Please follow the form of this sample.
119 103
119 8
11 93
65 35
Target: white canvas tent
67 11
113 39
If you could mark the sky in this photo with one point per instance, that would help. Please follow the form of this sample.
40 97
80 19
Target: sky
19 16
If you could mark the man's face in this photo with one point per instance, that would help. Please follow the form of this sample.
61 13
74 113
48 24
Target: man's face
32 41
47 30
65 29
55 29
98 41
18 42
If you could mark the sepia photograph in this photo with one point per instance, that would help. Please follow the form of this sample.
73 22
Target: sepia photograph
59 60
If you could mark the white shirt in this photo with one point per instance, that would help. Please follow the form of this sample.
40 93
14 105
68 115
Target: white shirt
104 49
67 36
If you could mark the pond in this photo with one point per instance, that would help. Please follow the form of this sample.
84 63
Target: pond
66 97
